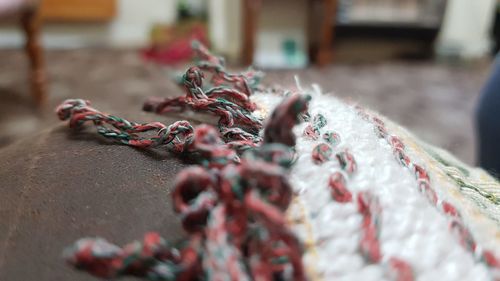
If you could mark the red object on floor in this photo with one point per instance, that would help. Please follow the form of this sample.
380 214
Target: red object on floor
177 50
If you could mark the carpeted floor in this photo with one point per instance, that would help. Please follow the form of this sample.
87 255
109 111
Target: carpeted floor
434 101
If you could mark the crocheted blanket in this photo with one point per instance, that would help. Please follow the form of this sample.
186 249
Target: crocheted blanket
379 204
345 194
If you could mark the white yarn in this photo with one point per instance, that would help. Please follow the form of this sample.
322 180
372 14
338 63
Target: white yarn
411 228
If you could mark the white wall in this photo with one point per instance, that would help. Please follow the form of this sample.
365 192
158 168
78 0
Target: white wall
135 18
225 27
466 28
130 27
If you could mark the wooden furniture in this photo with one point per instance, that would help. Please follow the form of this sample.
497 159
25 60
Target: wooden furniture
31 24
321 54
49 200
30 21
78 10
31 13
250 17
324 52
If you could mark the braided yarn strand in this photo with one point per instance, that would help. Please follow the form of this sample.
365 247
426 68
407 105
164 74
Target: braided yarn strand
245 82
232 211
227 96
176 136
231 206
230 105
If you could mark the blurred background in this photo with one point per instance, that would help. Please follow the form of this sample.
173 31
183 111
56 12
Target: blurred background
422 63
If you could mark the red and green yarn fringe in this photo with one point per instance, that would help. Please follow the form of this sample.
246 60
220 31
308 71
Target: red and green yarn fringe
239 129
176 136
227 97
233 214
230 105
231 206
245 82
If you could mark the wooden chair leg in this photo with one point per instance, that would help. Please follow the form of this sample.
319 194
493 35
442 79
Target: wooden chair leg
31 25
325 53
251 9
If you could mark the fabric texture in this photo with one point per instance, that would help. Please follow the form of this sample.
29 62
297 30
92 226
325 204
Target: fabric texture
488 122
395 207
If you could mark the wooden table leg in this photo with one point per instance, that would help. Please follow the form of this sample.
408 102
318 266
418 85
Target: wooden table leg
31 24
325 49
250 17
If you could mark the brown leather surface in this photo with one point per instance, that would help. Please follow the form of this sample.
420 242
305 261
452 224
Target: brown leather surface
61 185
